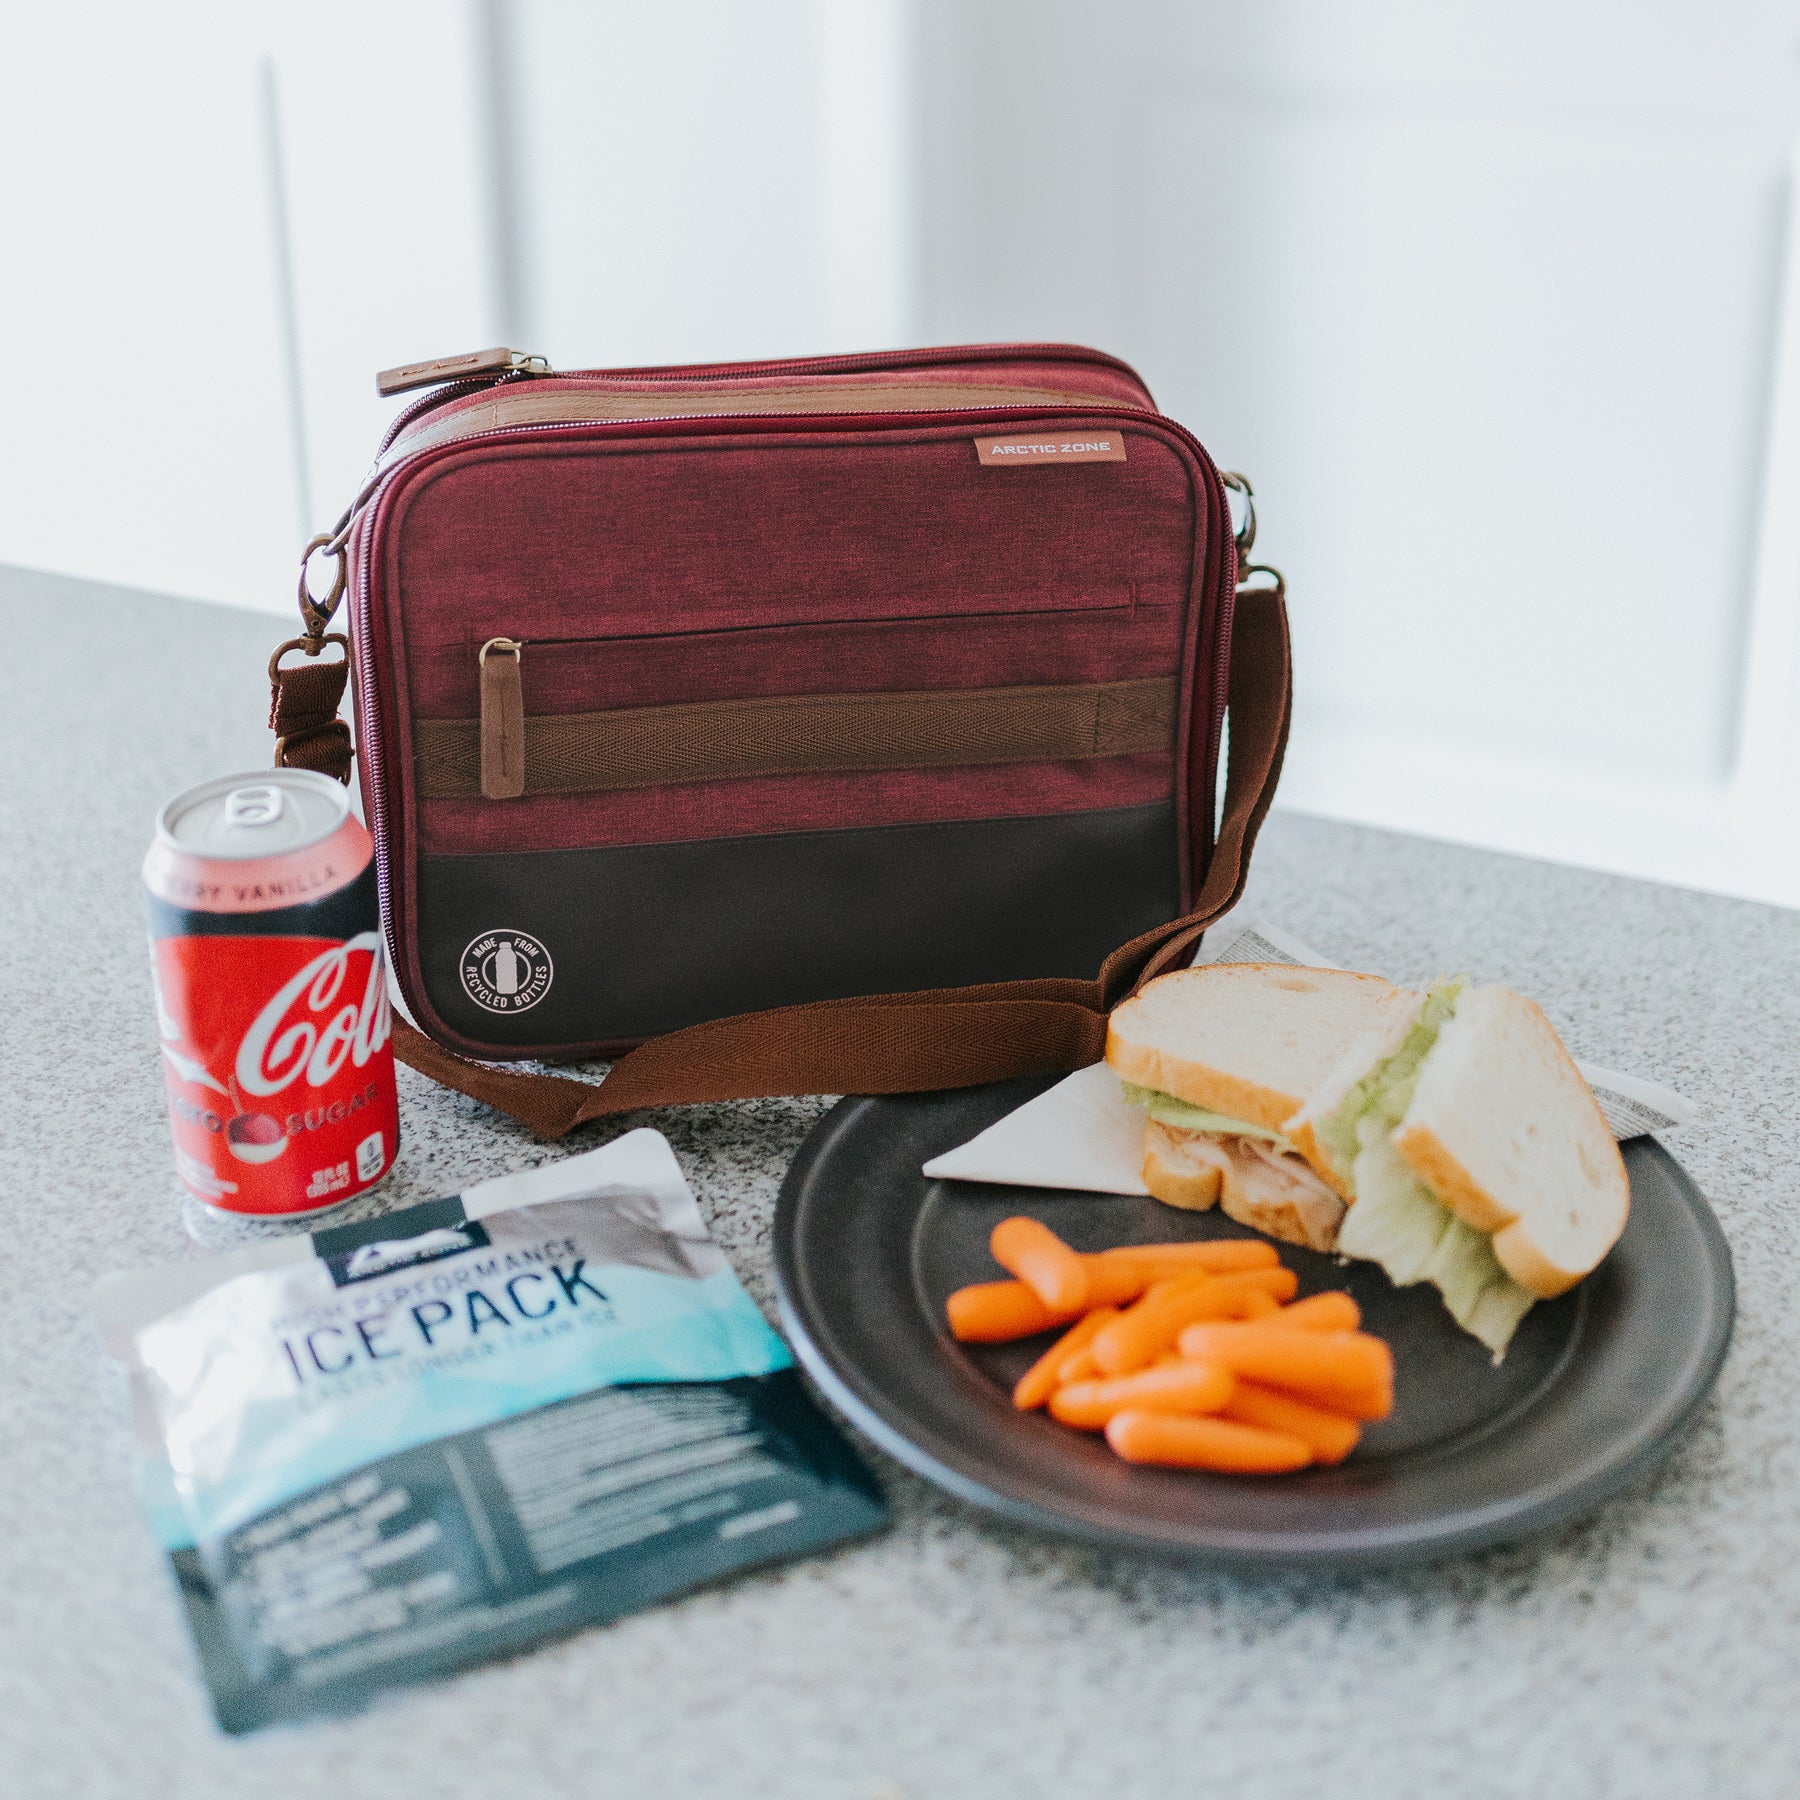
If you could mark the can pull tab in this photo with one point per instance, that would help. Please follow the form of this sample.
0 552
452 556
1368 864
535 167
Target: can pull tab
251 806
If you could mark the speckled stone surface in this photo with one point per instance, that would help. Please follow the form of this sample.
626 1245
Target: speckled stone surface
1652 1650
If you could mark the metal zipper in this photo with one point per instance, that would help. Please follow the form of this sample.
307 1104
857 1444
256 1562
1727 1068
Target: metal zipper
876 402
947 355
675 375
801 624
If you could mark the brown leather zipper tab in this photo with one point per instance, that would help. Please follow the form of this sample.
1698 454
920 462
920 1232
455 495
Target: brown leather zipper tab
502 720
498 361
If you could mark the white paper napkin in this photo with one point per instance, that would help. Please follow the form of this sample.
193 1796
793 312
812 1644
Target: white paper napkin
1084 1134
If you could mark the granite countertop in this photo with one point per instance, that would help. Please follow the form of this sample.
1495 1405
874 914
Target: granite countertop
1650 1650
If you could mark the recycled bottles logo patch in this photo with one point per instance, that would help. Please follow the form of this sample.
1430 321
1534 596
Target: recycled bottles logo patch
506 971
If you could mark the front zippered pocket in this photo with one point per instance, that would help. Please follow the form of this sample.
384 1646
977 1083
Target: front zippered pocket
750 723
511 752
855 613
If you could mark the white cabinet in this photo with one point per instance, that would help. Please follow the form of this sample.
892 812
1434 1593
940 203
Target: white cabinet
1490 305
218 221
144 436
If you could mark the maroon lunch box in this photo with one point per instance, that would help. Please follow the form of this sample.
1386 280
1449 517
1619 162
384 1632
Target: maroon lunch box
785 689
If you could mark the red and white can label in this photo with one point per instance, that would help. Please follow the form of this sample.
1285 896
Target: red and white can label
279 1072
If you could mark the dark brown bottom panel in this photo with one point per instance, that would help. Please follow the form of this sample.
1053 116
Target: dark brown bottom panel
577 947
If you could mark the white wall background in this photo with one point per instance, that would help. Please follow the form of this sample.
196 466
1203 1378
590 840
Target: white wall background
1492 303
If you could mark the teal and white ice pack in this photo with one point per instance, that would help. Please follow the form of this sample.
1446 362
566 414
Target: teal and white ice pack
398 1447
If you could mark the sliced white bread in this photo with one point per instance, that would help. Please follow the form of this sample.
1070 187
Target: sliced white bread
1250 1040
1504 1130
1385 1032
1174 1174
1255 1184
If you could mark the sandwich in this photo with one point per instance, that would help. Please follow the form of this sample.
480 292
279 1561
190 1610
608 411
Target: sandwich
1445 1135
1221 1058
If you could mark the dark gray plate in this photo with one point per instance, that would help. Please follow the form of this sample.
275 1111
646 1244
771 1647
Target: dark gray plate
1597 1387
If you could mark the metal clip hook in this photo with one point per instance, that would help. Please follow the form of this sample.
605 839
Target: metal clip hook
1246 534
315 615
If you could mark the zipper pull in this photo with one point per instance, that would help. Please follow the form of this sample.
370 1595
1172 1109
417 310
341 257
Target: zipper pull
472 366
502 720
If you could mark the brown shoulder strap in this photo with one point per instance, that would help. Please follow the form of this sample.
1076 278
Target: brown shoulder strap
950 1037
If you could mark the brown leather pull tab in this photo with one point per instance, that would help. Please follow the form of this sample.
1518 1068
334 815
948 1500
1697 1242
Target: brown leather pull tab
472 366
502 720
303 703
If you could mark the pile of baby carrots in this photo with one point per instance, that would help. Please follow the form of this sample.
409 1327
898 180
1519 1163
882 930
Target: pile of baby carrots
1193 1356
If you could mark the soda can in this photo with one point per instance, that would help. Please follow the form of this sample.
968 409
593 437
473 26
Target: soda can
271 994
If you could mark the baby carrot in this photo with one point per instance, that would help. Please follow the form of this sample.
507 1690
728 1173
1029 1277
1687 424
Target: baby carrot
1334 1311
1179 1387
1221 1256
1248 1303
1278 1284
1222 1444
1114 1282
1144 1331
1347 1371
1329 1435
1117 1278
1032 1251
1038 1382
991 1312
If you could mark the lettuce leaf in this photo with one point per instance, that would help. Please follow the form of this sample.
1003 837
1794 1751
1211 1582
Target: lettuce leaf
1183 1115
1399 1223
1387 1090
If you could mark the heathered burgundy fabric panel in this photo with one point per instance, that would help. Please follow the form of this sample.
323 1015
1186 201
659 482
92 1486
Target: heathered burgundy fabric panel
776 803
635 537
1104 638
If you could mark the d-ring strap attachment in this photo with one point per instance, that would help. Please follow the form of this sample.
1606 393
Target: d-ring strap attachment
303 701
1276 584
309 646
303 704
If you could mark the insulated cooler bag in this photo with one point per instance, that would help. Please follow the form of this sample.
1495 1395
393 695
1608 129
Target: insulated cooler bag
841 725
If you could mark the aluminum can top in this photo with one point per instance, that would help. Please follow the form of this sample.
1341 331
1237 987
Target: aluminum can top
245 818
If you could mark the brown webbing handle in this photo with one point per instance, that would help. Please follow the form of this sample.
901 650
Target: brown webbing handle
945 1038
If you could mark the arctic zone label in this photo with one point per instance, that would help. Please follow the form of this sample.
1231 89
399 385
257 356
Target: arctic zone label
1060 447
